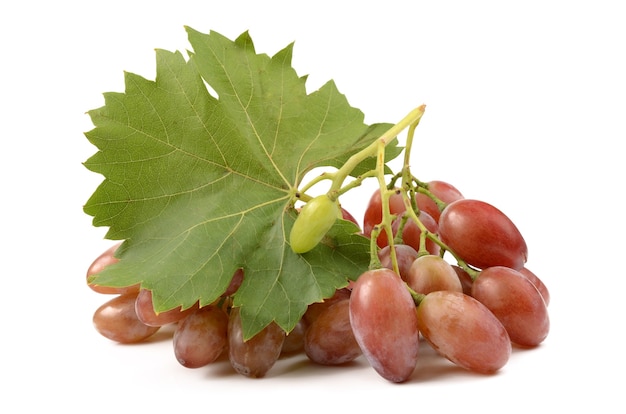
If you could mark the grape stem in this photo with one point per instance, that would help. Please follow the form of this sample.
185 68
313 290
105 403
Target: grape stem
410 185
411 121
417 297
424 190
339 176
375 148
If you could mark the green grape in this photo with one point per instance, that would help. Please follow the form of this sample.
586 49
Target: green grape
315 219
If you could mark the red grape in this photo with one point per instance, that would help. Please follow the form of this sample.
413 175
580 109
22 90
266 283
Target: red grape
117 320
516 302
294 341
541 287
105 259
235 282
430 273
464 331
405 256
384 322
465 279
314 309
144 307
201 337
256 356
345 214
482 235
329 340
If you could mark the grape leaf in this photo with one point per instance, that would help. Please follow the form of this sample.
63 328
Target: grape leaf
200 170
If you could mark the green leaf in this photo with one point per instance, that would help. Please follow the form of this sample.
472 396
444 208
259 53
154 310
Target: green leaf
199 185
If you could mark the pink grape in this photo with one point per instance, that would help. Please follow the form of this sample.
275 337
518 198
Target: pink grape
541 287
117 320
144 307
330 340
235 282
516 302
430 273
294 341
384 322
465 279
256 356
482 235
346 215
314 309
464 331
405 256
201 337
105 259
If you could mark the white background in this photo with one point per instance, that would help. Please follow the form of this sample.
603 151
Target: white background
525 109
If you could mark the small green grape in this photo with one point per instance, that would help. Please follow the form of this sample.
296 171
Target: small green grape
315 219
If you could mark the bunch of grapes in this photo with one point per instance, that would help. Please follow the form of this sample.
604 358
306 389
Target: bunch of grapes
472 310
447 269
